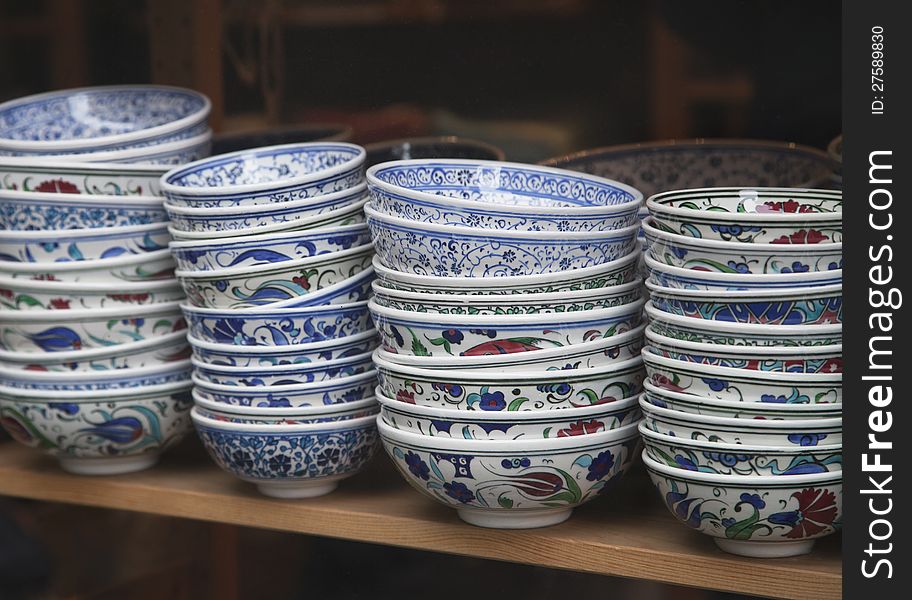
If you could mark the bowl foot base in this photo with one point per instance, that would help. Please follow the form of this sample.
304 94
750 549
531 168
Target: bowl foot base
519 519
765 549
108 466
296 489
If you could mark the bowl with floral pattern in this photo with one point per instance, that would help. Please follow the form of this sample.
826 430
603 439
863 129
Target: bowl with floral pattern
265 249
29 331
82 244
501 195
734 257
758 517
791 359
713 456
64 176
332 391
176 152
38 294
99 380
711 281
512 484
696 405
785 306
268 326
24 211
492 390
432 334
285 415
284 374
231 355
508 425
124 431
615 272
145 267
289 460
250 286
171 347
502 304
742 385
268 175
356 288
103 118
469 252
751 215
741 334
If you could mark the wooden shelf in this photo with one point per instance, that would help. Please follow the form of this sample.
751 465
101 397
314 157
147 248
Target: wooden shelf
628 535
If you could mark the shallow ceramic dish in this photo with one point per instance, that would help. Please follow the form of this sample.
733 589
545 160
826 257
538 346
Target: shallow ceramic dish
267 326
711 281
447 146
615 272
125 431
265 415
735 257
513 304
325 453
500 195
270 175
504 425
230 355
73 177
785 306
255 250
430 334
22 211
512 484
740 459
741 334
690 404
30 294
451 251
148 266
492 390
167 348
178 152
82 244
284 374
100 119
751 215
743 385
333 391
758 517
110 379
351 289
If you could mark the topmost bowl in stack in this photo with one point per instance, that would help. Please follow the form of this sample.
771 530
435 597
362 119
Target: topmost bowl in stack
509 315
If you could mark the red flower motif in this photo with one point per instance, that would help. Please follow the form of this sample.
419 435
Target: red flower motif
405 396
6 293
582 428
802 236
129 297
60 303
44 277
832 365
57 186
539 484
816 511
789 206
301 281
664 382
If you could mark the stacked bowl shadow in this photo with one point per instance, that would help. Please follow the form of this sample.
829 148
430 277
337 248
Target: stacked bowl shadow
509 313
94 363
274 255
743 427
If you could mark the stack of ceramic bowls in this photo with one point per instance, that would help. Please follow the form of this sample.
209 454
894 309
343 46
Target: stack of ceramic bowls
93 357
274 255
509 314
743 427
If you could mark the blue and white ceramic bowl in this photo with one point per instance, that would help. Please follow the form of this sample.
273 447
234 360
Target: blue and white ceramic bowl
147 267
434 334
352 289
109 379
284 374
276 415
615 272
69 176
451 251
124 431
512 484
270 175
234 218
333 391
712 281
230 355
82 244
290 461
267 326
42 211
100 119
786 306
264 249
36 294
77 329
178 152
499 195
758 517
248 286
734 257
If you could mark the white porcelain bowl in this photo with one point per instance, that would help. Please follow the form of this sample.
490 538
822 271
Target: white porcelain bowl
177 152
21 211
231 355
333 391
284 374
82 244
278 415
69 176
147 266
98 380
711 281
37 294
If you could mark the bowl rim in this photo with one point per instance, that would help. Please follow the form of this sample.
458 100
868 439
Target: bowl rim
218 160
285 265
797 292
820 329
661 438
509 299
92 199
115 231
672 364
91 314
770 351
653 264
125 349
325 295
282 389
290 428
737 248
60 166
87 287
265 238
792 425
105 375
240 210
92 396
265 312
200 365
653 389
120 138
140 154
284 411
656 207
742 481
85 265
290 348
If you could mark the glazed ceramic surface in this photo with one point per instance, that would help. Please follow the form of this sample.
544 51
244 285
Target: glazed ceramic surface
284 374
147 266
270 175
40 210
230 355
279 415
760 517
448 146
28 294
451 251
351 289
712 281
333 391
109 379
71 177
178 152
512 483
502 196
82 244
427 334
